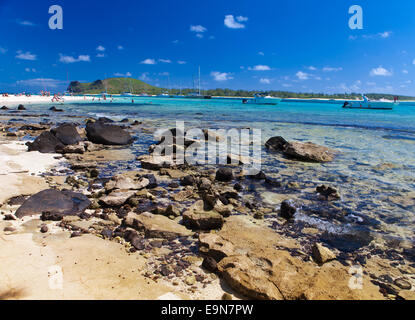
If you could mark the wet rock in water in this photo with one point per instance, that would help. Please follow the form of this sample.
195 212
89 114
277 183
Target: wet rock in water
238 186
403 284
322 254
328 193
117 197
210 264
198 219
303 151
204 184
126 183
224 174
187 181
258 176
55 202
156 226
46 142
106 134
32 127
54 109
67 134
154 163
152 181
288 209
254 267
272 182
125 120
173 185
21 107
348 242
44 228
105 120
276 144
4 108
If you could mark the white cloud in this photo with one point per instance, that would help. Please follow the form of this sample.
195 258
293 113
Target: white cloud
164 74
199 35
26 23
175 41
25 55
331 69
70 59
380 71
261 53
385 34
30 70
405 71
181 62
312 68
100 55
198 29
165 60
148 61
221 76
241 19
3 50
41 82
100 48
259 67
231 23
119 74
302 75
120 48
265 80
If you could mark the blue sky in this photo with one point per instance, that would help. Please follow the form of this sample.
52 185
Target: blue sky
293 45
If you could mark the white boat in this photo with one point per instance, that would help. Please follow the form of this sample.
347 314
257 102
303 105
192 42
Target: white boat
262 99
368 104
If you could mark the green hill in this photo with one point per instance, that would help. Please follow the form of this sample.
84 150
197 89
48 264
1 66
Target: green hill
113 86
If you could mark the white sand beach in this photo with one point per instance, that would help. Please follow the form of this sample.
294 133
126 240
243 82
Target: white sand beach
13 100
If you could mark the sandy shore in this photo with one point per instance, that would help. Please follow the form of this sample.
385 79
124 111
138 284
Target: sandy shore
13 100
56 266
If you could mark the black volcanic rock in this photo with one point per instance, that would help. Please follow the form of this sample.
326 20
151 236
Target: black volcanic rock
67 134
54 202
102 133
46 142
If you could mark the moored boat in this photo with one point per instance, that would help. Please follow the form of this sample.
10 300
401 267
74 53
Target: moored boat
262 99
372 105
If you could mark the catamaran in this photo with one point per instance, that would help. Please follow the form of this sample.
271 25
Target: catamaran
368 104
262 99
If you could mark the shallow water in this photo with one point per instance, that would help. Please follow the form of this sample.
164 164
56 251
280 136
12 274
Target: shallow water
374 172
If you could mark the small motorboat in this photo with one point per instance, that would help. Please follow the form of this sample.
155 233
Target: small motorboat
262 99
372 105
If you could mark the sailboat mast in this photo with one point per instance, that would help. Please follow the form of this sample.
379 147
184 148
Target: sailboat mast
199 80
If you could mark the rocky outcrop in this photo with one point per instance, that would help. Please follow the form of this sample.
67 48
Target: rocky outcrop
252 265
156 226
224 174
46 142
57 140
67 134
308 151
328 193
288 209
117 197
102 133
199 219
56 202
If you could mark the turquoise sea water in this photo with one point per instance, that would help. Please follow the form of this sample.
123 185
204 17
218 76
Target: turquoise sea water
374 172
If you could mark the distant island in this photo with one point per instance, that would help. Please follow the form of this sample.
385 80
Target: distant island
122 85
